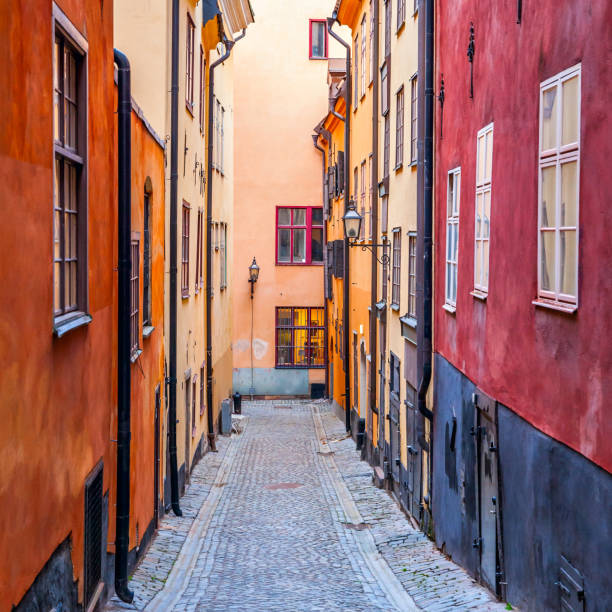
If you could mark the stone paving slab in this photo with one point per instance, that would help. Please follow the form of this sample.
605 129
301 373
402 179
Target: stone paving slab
275 521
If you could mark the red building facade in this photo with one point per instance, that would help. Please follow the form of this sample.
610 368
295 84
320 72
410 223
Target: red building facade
523 357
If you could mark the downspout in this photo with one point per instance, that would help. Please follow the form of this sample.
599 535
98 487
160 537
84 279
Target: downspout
174 488
374 262
229 44
425 217
315 139
347 186
124 170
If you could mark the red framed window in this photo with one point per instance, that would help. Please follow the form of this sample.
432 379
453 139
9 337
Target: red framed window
300 337
299 235
317 39
185 252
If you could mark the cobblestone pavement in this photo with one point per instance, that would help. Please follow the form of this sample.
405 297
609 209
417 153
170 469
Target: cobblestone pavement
285 517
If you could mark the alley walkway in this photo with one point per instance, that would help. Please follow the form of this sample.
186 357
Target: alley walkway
285 517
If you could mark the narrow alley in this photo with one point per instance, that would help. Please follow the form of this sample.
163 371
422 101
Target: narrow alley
285 517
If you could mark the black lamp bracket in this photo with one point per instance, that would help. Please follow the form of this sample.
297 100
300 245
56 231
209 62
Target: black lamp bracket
384 258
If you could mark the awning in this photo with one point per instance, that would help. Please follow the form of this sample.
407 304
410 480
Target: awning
210 9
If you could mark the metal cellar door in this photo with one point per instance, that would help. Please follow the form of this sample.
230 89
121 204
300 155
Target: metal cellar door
93 532
394 416
413 483
488 503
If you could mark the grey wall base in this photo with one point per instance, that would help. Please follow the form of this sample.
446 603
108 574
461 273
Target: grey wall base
271 381
554 502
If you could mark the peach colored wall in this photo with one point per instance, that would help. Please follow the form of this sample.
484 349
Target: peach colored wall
280 95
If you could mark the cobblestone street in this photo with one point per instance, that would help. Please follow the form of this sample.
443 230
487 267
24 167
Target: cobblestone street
285 517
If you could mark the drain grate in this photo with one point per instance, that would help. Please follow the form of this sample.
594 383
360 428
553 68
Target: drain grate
283 485
357 526
283 406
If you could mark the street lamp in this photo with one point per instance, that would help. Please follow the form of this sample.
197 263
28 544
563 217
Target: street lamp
352 227
253 275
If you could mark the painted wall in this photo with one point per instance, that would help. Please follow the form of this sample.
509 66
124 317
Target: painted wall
548 367
57 393
276 107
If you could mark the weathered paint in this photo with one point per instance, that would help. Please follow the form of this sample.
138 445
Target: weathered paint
273 381
550 368
57 394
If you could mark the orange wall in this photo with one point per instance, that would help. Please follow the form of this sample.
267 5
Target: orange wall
57 394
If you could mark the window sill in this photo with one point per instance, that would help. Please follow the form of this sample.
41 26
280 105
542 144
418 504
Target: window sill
479 295
299 367
400 28
288 263
558 306
449 308
147 330
414 163
135 355
399 167
408 320
395 307
313 57
62 325
189 109
362 96
184 296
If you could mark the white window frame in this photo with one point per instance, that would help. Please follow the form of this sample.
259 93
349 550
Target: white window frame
556 157
371 38
483 187
364 28
453 201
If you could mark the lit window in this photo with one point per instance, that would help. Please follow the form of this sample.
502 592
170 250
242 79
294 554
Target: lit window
318 39
299 235
452 234
300 338
558 199
484 165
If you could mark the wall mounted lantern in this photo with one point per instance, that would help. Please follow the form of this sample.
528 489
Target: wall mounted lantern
352 226
253 275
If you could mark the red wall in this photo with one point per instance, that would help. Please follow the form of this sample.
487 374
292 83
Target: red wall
56 394
553 369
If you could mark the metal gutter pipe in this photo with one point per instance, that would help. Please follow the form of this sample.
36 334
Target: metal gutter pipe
229 44
174 488
425 214
347 186
124 170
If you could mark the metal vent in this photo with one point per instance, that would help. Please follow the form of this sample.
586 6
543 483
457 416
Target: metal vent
93 533
571 587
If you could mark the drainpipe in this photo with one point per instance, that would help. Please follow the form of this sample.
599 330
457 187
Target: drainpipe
174 489
229 44
347 166
374 262
315 139
122 529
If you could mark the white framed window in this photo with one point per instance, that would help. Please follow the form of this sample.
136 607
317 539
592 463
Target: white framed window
372 26
364 27
484 165
558 189
453 192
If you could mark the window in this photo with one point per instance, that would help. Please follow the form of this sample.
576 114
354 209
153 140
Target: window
399 128
318 39
299 235
397 267
387 28
412 243
147 319
559 174
372 26
401 13
202 89
356 84
70 181
198 274
484 162
363 199
384 89
385 270
386 147
371 195
221 139
453 193
413 118
202 404
363 55
185 252
223 256
189 64
194 386
300 336
219 121
134 297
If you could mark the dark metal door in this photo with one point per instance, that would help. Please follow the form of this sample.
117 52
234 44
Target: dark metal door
413 483
394 410
167 491
156 460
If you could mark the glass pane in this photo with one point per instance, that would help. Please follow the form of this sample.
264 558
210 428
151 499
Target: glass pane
481 160
316 317
477 262
284 356
571 116
316 245
284 316
299 246
56 116
547 260
284 245
300 350
284 216
316 347
455 228
486 214
569 194
549 189
450 205
56 234
300 317
454 282
478 216
317 216
299 216
489 156
57 270
549 118
568 256
318 39
485 263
